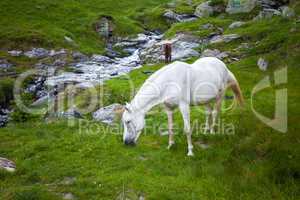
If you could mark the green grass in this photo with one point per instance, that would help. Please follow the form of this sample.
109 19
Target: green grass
45 23
256 162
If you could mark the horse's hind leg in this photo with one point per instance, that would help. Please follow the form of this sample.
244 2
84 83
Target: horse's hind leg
170 127
215 112
208 115
185 111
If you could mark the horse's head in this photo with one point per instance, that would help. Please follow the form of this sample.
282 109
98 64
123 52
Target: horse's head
133 123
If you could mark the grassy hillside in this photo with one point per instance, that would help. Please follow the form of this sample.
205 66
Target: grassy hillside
46 23
256 162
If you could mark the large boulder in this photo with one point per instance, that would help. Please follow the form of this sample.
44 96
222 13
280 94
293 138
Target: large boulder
183 46
240 6
108 114
204 10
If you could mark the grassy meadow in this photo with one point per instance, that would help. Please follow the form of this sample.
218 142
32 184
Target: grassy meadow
254 161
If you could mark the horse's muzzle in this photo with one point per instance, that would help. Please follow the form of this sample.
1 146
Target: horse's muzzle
129 142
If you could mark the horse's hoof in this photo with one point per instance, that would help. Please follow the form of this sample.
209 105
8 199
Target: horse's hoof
190 154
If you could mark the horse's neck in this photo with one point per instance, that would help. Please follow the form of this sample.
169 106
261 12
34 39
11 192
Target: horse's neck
143 103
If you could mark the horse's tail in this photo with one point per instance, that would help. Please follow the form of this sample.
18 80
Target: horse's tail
234 85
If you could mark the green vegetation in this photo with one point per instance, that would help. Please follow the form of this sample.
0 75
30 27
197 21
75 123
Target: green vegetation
46 23
256 162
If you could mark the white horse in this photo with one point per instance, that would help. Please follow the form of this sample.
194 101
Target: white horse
180 85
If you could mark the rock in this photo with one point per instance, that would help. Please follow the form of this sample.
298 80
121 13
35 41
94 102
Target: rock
69 40
202 145
5 65
262 64
214 53
68 196
68 181
7 165
77 56
182 48
15 53
173 17
61 52
37 53
207 26
267 14
204 10
71 113
4 113
287 12
101 59
108 114
244 6
236 24
275 4
223 38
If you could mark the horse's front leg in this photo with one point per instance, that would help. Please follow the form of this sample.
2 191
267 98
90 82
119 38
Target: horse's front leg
170 127
185 111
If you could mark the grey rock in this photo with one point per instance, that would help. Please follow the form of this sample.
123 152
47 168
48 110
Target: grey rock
68 181
244 6
262 64
68 196
77 56
15 53
7 165
37 53
173 17
3 119
207 26
71 113
236 24
183 46
107 114
223 38
4 64
267 14
61 52
101 59
275 4
287 12
69 40
214 53
204 10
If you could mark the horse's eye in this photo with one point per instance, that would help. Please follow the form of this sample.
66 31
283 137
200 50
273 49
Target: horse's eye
127 122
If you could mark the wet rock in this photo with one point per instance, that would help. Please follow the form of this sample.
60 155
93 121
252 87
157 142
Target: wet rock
223 38
214 53
244 6
204 10
236 24
5 65
7 165
262 64
101 59
37 53
15 53
108 114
